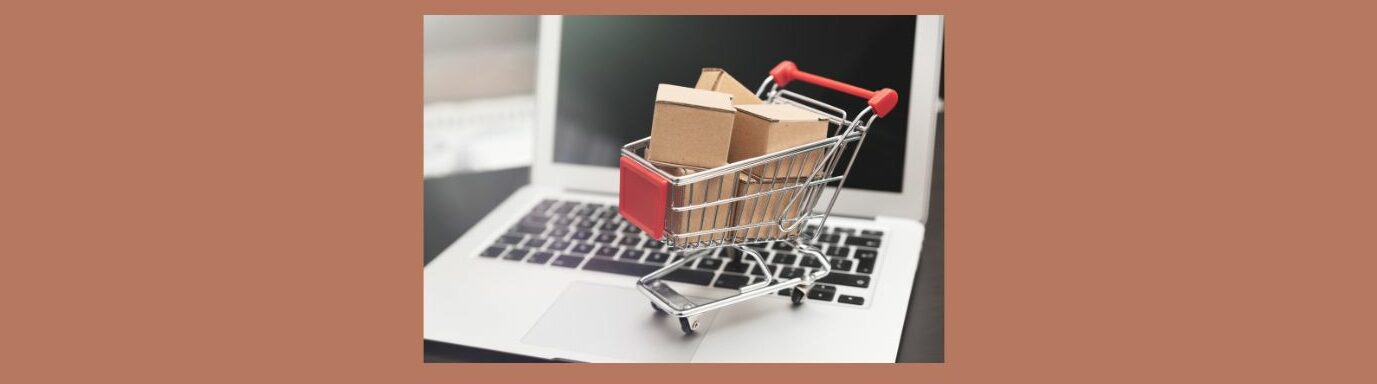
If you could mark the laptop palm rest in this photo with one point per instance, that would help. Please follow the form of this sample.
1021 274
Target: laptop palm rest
616 322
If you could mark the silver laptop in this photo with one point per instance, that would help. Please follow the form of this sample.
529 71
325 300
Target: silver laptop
551 272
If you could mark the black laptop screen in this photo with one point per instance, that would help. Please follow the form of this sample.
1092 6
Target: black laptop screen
609 68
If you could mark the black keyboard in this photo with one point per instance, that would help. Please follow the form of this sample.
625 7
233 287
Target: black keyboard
594 237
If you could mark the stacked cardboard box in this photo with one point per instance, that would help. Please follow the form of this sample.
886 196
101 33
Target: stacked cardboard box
764 129
691 131
716 79
721 121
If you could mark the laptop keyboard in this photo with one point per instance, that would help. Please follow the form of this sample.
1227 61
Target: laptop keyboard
593 237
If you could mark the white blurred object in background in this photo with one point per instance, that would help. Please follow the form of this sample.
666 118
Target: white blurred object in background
479 75
479 135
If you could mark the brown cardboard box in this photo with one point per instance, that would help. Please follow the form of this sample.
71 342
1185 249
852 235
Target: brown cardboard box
716 79
765 128
712 217
691 127
766 208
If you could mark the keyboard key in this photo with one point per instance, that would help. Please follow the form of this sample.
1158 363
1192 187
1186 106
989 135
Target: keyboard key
535 242
810 262
630 241
790 272
634 254
586 224
492 251
540 257
537 218
866 254
821 294
657 257
837 251
558 233
862 241
731 281
582 248
782 246
784 292
510 239
783 258
610 226
737 266
568 261
769 270
606 238
608 251
618 267
558 245
690 276
564 221
846 279
848 231
710 264
841 264
529 228
564 208
848 299
866 266
874 233
516 254
654 244
829 238
631 229
583 234
731 253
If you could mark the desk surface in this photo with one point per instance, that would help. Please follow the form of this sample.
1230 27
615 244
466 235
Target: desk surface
455 203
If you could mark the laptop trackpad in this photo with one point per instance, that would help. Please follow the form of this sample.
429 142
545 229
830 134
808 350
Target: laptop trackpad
615 322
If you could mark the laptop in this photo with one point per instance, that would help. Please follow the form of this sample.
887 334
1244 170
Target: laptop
551 271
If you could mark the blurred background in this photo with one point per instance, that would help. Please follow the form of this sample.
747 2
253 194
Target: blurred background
479 93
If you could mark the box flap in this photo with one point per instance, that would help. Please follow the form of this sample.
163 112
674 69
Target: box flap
779 112
717 79
699 98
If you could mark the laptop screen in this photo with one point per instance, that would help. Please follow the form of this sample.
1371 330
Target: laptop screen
609 68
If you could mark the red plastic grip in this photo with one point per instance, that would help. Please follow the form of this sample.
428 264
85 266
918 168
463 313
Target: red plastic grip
882 101
644 198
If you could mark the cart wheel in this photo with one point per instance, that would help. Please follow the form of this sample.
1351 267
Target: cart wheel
797 294
688 325
657 309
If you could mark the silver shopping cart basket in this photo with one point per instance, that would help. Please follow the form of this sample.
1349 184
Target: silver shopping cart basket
693 215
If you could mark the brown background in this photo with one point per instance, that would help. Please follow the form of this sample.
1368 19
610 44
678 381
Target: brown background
1161 191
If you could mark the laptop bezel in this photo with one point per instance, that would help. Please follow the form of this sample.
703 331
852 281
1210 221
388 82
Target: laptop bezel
911 202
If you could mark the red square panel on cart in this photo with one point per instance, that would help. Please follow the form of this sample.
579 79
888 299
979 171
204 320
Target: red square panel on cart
644 197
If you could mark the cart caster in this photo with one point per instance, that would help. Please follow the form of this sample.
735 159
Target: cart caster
657 309
796 295
688 325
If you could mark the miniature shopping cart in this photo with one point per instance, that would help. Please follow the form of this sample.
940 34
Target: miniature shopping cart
695 213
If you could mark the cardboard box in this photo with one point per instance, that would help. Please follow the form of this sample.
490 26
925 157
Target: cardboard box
767 208
766 128
691 127
716 79
712 217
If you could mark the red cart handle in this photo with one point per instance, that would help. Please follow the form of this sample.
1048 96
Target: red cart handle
881 101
